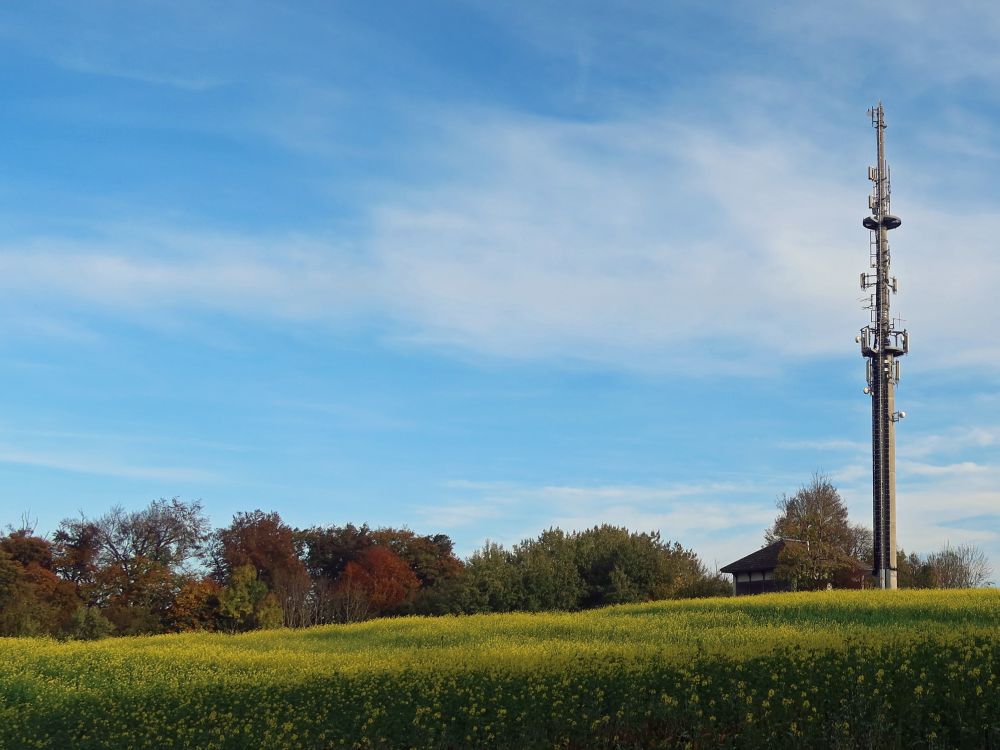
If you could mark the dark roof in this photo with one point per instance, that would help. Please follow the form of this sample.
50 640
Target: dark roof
765 558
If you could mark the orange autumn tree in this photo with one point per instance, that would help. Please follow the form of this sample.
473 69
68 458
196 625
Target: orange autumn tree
33 599
195 606
373 584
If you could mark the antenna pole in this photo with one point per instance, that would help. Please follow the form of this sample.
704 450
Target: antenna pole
882 345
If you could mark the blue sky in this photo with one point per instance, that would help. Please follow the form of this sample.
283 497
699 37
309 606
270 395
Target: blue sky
482 268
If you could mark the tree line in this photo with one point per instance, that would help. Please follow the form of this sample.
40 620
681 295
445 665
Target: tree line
163 569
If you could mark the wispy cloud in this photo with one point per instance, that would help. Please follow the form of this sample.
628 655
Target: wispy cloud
935 503
851 473
156 269
578 241
707 516
102 466
925 469
826 444
457 515
67 436
923 42
93 66
639 244
957 439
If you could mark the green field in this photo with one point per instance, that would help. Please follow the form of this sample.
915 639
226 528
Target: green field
831 669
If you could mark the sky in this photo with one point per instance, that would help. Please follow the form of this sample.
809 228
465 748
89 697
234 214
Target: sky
484 268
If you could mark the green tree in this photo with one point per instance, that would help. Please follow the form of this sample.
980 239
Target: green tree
492 581
246 603
88 624
592 568
912 572
620 566
549 578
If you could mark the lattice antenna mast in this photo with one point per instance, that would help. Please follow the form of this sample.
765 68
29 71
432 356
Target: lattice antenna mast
882 344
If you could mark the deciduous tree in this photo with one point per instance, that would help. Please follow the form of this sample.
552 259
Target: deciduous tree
267 544
195 606
246 604
261 540
492 581
328 549
432 558
374 584
816 518
33 599
965 566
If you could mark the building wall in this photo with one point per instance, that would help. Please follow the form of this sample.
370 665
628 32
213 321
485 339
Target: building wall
758 582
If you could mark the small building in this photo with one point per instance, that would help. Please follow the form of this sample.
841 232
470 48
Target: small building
754 574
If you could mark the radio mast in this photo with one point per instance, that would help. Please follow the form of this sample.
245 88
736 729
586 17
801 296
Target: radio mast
882 344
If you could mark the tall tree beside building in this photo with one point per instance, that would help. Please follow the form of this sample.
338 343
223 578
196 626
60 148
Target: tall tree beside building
830 545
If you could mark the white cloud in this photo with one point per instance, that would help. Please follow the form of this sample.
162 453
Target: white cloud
937 504
924 469
102 466
956 439
638 244
851 473
646 245
712 518
344 414
457 515
154 269
934 48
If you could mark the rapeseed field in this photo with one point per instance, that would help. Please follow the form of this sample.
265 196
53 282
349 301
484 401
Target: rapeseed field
905 669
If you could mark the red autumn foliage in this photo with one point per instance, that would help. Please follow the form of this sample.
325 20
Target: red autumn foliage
375 583
262 540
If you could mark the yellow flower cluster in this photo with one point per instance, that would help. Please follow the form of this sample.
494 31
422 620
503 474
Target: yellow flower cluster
826 669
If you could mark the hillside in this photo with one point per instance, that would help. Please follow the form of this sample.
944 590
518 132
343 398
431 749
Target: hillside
832 669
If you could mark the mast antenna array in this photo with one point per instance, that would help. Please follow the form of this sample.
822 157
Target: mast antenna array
882 344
